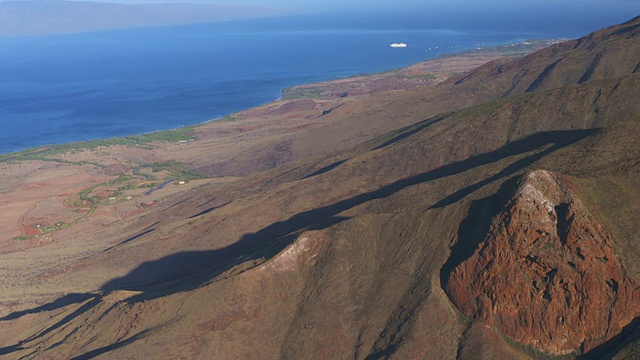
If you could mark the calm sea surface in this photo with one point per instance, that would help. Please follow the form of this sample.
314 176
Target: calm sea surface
56 89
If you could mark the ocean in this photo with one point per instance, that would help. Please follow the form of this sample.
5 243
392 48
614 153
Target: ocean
66 88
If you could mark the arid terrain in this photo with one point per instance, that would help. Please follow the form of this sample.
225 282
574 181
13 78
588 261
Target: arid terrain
482 205
63 184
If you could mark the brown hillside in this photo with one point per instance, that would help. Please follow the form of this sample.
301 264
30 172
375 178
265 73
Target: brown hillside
348 254
608 53
547 272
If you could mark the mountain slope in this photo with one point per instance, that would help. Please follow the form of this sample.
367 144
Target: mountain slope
608 53
368 252
566 274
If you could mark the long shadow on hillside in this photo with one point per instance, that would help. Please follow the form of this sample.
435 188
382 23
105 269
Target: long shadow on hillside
89 303
103 350
475 227
57 304
188 270
178 271
410 130
612 347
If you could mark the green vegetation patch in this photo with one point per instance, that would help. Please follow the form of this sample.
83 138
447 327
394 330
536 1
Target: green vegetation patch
508 50
228 118
297 93
425 76
45 153
123 178
181 134
176 170
491 107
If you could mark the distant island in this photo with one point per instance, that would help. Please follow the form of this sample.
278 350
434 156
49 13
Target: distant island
34 17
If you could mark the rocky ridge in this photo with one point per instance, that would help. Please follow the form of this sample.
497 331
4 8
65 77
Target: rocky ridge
547 272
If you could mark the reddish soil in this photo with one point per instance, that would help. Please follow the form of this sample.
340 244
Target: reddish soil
547 272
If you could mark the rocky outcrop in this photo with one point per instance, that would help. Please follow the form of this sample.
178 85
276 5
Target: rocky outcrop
547 274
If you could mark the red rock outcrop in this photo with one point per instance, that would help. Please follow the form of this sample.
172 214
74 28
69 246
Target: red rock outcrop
546 274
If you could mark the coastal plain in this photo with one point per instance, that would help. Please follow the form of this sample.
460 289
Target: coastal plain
60 202
43 187
437 211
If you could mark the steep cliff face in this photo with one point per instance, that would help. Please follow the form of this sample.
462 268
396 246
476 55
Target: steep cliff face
547 274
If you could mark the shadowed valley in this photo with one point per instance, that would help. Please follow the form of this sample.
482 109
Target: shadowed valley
486 215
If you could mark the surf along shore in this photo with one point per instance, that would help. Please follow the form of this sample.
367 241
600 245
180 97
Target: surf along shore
56 192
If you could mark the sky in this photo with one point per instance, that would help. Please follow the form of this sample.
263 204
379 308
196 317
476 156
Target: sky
366 3
329 4
632 7
608 11
614 9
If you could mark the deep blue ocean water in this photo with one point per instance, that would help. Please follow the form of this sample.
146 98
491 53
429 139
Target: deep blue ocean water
56 89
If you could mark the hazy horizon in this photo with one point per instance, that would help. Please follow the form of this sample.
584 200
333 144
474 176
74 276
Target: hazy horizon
606 11
134 81
621 5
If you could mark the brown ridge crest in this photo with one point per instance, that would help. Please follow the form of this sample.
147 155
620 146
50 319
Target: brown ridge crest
546 272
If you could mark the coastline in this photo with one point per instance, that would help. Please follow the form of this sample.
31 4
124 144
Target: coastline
409 77
346 218
56 191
